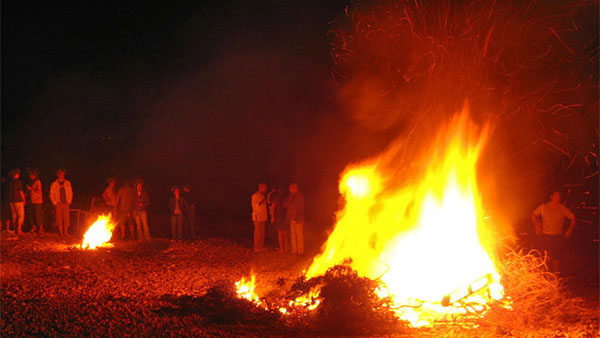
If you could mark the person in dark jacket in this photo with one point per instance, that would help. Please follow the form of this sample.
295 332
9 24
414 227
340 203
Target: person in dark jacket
16 197
140 211
124 208
190 219
294 207
178 206
277 213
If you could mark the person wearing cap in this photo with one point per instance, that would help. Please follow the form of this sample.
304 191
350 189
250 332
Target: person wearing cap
36 198
61 196
16 198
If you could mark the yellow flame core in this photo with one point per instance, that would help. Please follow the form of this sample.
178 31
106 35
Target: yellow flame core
425 237
99 233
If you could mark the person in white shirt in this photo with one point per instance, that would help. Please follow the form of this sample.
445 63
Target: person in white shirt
259 216
551 228
61 196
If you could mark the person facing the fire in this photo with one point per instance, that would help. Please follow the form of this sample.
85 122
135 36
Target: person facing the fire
259 216
61 196
294 207
179 207
551 228
124 206
36 199
277 212
190 219
16 198
140 211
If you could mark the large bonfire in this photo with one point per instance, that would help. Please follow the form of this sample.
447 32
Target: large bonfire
423 233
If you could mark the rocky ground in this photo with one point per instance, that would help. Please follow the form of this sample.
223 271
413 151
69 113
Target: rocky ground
50 287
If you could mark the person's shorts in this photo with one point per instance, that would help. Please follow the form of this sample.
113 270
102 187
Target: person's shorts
554 245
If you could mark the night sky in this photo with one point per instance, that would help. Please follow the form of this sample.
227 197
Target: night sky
222 95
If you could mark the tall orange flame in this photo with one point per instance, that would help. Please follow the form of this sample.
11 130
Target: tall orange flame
425 238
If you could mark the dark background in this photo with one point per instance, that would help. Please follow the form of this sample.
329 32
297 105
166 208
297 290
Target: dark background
221 95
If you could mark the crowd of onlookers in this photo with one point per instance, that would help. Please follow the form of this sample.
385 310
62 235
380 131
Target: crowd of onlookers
284 212
128 204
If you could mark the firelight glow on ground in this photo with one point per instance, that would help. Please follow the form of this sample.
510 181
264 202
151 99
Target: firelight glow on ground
425 238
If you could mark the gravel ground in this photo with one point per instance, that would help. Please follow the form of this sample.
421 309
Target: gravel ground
52 288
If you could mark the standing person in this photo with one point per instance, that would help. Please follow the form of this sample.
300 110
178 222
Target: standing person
190 220
259 216
110 195
140 211
16 198
124 206
178 206
277 211
551 229
61 196
294 206
36 198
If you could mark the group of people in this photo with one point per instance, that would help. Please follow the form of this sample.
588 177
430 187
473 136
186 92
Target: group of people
61 196
284 213
130 205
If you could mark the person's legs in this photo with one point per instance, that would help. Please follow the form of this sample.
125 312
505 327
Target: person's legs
20 207
180 227
38 211
174 226
259 236
138 223
131 223
145 229
30 216
66 217
293 236
286 241
122 217
300 237
280 239
59 219
13 213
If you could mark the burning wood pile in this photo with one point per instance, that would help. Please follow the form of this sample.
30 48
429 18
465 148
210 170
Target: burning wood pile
422 236
99 233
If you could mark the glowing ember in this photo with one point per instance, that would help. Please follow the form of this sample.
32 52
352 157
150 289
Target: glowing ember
423 236
245 289
99 233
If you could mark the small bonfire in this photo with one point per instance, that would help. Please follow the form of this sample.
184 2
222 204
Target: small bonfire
99 233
